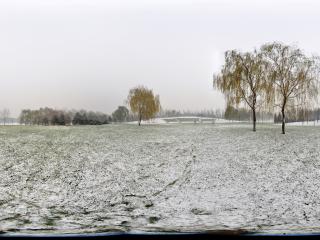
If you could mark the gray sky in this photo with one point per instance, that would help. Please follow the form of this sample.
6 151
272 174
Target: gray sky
89 53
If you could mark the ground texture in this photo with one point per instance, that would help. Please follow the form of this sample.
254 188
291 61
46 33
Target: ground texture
188 177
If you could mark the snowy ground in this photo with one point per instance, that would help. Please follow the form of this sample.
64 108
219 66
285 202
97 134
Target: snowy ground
162 121
181 177
310 123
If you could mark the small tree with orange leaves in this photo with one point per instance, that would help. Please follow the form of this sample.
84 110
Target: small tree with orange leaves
144 103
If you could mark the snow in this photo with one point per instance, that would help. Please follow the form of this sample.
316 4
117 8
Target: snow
186 119
151 121
159 177
310 123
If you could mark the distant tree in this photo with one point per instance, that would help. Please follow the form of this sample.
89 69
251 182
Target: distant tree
121 114
55 119
143 102
45 116
25 117
277 117
243 79
92 118
298 114
36 117
292 74
89 118
61 118
230 112
218 113
80 118
5 114
76 119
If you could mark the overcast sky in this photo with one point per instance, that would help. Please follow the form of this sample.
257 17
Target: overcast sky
89 53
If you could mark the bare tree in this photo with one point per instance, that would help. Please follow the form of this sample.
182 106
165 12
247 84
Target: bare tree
293 75
5 114
243 79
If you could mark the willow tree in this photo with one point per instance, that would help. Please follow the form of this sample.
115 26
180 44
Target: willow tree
144 103
294 77
243 80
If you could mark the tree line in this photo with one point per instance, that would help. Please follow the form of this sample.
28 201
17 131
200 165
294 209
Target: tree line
299 115
244 114
275 76
48 116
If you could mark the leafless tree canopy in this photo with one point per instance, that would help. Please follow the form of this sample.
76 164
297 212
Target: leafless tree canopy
4 115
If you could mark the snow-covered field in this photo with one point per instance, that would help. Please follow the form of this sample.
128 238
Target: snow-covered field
310 123
180 177
206 120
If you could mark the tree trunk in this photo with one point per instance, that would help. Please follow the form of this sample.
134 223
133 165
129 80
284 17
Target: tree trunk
254 119
283 121
139 122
